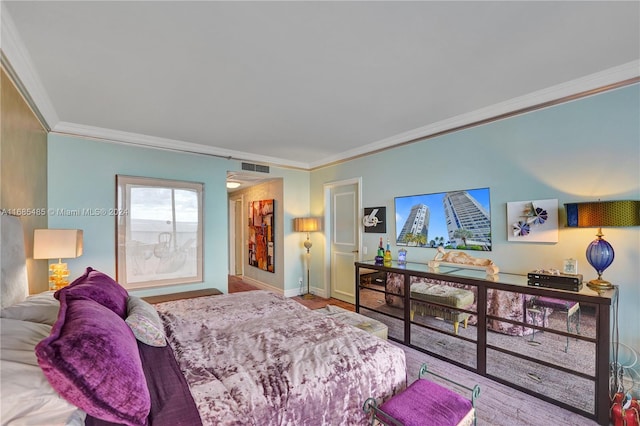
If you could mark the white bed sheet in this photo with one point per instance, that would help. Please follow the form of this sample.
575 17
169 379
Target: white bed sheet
26 396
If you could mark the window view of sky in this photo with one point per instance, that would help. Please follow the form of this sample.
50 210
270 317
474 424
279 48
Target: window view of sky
154 203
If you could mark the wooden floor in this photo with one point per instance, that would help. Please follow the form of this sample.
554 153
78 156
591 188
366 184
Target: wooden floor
236 285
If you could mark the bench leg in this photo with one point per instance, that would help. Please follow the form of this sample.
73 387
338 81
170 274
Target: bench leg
569 318
566 346
466 321
455 327
413 312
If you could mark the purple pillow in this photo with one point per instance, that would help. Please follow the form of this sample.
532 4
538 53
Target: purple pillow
91 359
99 287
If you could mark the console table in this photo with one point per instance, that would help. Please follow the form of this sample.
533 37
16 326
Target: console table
508 339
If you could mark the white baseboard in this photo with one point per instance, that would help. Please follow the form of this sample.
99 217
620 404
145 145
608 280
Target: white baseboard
292 292
261 285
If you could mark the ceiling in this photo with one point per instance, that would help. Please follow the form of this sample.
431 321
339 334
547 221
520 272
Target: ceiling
305 84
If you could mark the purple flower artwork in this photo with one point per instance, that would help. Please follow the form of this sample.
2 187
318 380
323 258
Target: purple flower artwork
533 221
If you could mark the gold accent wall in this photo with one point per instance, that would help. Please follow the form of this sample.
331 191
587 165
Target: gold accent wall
23 171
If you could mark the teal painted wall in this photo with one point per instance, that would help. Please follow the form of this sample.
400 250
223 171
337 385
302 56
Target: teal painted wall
588 149
82 175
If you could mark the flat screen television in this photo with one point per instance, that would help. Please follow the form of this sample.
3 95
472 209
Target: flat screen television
455 220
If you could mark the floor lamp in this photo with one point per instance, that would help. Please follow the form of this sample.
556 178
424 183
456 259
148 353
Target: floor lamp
308 225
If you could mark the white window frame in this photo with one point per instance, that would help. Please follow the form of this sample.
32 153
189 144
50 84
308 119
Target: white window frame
162 254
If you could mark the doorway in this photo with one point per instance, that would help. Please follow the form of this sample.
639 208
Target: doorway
236 236
342 207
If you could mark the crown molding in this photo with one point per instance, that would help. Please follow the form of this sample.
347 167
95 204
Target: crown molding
23 71
136 139
589 85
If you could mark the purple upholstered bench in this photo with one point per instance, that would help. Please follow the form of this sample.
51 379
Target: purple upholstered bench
425 403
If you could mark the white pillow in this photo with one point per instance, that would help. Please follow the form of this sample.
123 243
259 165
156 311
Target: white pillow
27 398
41 308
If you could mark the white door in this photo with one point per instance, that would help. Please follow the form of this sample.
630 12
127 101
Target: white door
344 237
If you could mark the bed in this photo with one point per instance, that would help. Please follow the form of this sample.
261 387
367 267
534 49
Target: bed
91 354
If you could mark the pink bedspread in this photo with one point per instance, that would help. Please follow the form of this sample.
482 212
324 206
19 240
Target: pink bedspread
257 358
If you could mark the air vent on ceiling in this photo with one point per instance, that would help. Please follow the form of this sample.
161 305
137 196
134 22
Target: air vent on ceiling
255 167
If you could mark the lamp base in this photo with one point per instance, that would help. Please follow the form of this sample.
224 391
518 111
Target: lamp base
308 296
58 274
599 285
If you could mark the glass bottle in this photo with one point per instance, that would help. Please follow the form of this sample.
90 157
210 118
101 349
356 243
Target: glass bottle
380 254
387 255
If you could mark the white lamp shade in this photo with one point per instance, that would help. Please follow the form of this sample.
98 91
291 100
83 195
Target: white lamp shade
306 224
57 243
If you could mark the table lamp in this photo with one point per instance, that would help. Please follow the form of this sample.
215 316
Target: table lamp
601 214
57 244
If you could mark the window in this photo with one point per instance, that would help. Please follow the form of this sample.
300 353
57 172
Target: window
159 232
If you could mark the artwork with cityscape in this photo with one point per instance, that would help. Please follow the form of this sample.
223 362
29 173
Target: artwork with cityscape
458 220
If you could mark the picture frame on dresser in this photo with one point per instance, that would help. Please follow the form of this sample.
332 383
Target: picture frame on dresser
570 266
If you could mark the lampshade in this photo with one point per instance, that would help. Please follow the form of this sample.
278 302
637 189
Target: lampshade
306 224
57 243
603 214
600 214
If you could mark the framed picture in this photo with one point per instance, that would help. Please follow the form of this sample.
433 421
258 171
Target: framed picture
261 236
453 220
570 266
533 221
159 232
375 220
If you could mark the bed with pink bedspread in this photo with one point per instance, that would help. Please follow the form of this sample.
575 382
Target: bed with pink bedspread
257 358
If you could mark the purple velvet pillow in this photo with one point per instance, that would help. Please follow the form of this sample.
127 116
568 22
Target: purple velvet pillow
91 359
98 286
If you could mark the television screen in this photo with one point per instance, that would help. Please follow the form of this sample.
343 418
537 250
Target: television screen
455 220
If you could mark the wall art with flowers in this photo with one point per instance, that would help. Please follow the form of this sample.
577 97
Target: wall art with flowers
533 221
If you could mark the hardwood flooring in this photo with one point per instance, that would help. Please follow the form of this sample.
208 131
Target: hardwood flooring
236 285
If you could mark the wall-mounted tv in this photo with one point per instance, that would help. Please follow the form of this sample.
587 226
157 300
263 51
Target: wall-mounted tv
455 220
